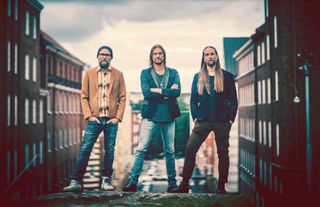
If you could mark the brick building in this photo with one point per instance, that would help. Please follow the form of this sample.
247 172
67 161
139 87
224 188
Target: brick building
272 127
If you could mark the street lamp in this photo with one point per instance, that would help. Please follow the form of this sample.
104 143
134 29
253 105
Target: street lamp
305 68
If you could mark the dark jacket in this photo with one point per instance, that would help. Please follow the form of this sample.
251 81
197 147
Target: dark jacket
152 99
227 103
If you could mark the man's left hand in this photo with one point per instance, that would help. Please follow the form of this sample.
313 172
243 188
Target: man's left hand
113 121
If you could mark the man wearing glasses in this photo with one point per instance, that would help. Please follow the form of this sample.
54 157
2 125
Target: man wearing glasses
103 97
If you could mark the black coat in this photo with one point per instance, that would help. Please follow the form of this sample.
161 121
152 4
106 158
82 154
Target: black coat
152 99
227 103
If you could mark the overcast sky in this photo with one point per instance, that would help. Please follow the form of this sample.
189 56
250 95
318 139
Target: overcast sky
131 28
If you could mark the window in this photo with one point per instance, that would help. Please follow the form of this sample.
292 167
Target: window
16 9
260 170
27 70
263 59
8 166
9 8
65 137
258 55
34 112
8 110
40 111
15 163
265 133
34 27
269 134
263 91
260 132
49 141
60 138
15 110
34 69
41 152
259 92
268 47
34 155
277 140
27 26
269 90
26 115
270 176
26 156
266 7
49 102
276 84
9 57
15 58
275 27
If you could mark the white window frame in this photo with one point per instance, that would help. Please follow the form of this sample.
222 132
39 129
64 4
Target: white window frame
34 111
26 109
9 56
277 140
276 84
27 23
15 110
27 67
8 110
16 58
34 69
40 111
275 30
35 29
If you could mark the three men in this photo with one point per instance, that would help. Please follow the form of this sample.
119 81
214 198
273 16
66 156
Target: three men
160 87
213 108
103 97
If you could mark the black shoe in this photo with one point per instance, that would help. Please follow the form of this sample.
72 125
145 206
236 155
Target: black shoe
183 188
130 188
172 189
221 190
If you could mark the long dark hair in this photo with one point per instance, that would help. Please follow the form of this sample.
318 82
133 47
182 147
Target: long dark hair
151 54
203 80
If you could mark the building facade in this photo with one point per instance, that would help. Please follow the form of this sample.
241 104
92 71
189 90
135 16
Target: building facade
23 100
272 105
63 76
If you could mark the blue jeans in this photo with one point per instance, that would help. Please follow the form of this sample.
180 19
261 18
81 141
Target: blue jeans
146 132
92 132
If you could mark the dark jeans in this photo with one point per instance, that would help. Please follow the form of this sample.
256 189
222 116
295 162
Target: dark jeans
199 133
92 132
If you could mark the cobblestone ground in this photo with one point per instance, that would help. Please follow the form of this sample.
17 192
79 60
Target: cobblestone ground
119 199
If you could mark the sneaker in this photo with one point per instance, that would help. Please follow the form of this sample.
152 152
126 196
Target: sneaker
106 184
73 187
130 188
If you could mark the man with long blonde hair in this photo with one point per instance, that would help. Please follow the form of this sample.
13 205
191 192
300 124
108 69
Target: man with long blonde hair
213 108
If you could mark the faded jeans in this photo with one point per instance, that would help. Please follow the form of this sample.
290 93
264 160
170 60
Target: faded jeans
147 130
92 132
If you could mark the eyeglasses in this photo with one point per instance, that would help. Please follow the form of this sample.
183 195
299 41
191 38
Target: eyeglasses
104 54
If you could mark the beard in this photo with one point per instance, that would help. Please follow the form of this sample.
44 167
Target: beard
104 64
158 61
211 63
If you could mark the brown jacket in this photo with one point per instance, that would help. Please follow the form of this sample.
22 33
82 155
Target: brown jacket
90 94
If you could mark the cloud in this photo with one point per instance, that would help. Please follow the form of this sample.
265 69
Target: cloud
77 20
184 28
